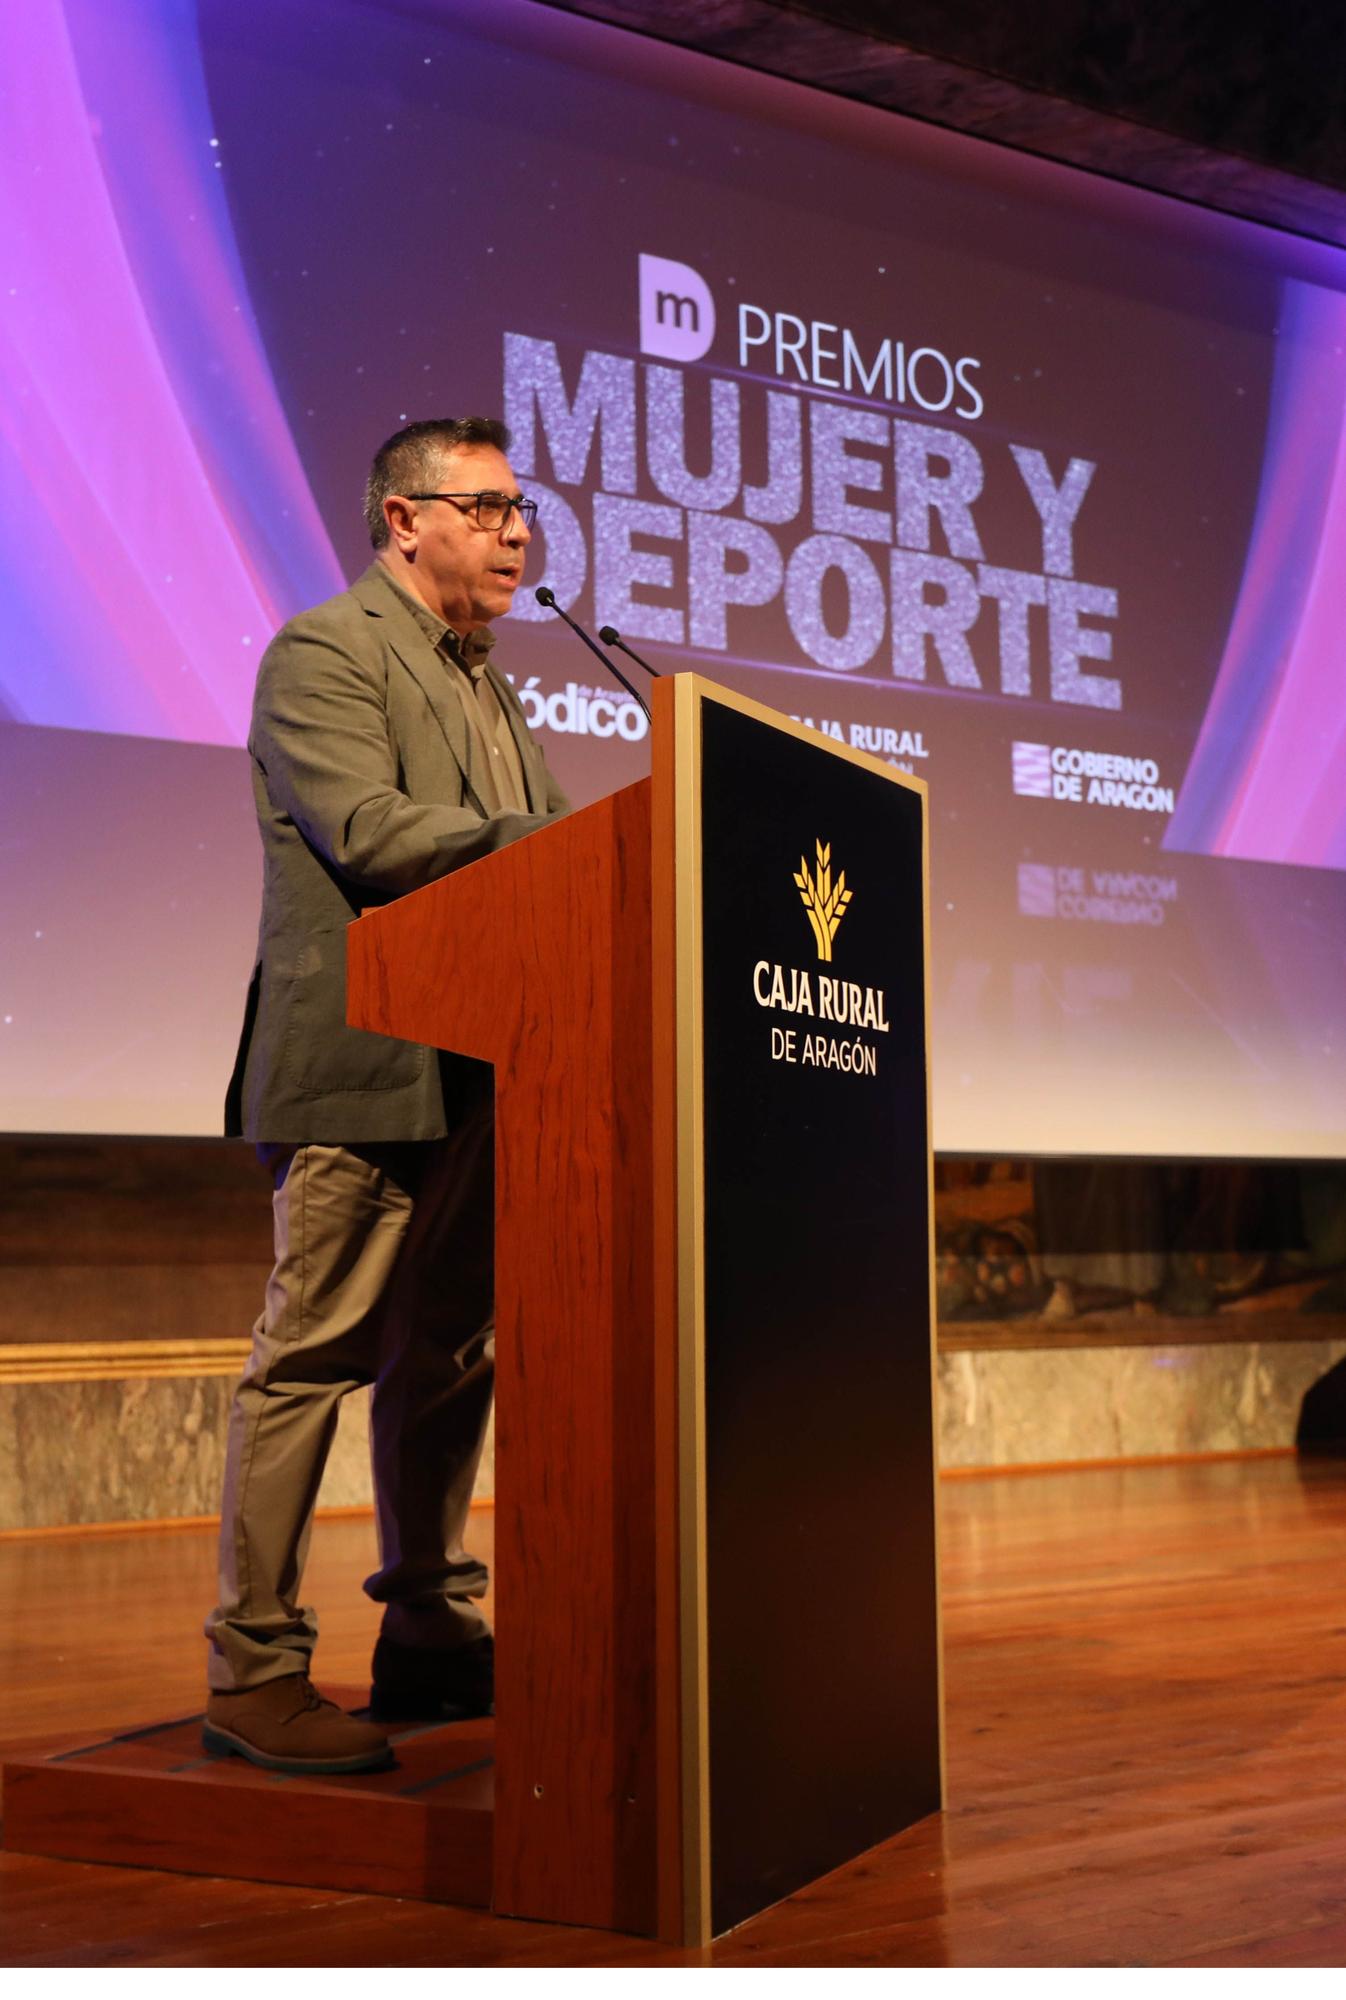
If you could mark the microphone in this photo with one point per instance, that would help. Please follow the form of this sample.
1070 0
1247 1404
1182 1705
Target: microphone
547 599
612 637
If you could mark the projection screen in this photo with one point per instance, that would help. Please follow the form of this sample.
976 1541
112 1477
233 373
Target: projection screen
1028 482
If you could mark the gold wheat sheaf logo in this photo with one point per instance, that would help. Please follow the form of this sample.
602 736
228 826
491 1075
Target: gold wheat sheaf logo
825 902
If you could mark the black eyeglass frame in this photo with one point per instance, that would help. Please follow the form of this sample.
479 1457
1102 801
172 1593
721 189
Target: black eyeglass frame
512 504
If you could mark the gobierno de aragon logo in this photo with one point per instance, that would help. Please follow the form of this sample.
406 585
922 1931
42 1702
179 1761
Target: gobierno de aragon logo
1088 777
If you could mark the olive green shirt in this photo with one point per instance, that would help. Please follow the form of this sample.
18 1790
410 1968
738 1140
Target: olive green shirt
497 772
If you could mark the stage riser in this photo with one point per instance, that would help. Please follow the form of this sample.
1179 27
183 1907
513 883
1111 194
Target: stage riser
153 1799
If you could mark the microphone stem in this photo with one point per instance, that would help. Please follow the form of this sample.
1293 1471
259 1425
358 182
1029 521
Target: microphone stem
653 672
599 654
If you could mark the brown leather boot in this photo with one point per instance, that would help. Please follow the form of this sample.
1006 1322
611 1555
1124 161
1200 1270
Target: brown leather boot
285 1725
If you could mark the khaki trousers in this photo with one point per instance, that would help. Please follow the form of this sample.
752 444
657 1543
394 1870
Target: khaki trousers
383 1275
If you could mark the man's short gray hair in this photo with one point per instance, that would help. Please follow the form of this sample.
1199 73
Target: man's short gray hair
409 461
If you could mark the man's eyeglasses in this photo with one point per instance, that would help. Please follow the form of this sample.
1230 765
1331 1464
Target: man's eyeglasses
490 510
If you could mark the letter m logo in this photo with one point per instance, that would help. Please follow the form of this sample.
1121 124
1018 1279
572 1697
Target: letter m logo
677 312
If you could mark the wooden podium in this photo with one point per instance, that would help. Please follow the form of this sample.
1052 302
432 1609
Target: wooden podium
717 1615
716 1580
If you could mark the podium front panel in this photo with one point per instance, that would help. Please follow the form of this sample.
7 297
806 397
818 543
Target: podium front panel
819 1608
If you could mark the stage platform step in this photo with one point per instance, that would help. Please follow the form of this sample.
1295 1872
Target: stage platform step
154 1798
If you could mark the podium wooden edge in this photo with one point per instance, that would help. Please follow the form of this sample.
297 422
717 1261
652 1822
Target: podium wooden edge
938 1509
676 847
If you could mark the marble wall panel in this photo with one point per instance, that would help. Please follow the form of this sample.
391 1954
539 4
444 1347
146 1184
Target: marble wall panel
1042 1406
154 1449
146 1450
109 1451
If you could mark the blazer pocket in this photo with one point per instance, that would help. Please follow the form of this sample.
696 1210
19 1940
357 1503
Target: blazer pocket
321 1054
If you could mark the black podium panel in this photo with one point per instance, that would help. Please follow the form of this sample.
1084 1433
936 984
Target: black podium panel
821 1595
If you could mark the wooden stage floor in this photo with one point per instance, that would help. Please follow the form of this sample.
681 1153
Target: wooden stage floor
1146 1676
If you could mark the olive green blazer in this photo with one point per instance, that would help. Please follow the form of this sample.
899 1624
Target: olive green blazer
362 775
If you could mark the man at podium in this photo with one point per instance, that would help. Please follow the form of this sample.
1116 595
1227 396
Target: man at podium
387 749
